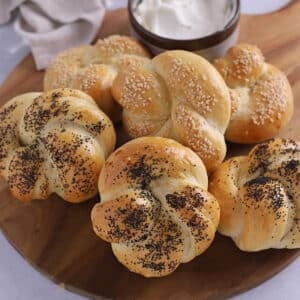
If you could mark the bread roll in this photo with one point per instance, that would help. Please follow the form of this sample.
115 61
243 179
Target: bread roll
178 95
155 209
55 142
262 99
92 69
259 196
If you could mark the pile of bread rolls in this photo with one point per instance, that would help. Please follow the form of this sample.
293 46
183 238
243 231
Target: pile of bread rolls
165 193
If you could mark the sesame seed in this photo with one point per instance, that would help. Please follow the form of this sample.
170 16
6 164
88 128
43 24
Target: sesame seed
193 92
270 97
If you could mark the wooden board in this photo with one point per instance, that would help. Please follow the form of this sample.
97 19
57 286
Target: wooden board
57 237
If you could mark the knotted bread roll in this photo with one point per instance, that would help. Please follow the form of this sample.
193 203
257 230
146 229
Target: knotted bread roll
54 142
92 69
178 95
155 208
262 99
259 196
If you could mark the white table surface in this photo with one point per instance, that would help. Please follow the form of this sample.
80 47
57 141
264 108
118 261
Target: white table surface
19 281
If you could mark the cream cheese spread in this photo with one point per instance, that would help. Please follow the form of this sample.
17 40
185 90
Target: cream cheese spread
183 19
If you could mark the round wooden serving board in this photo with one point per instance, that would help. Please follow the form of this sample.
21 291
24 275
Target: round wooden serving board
57 238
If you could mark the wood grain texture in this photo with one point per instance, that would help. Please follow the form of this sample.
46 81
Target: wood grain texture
57 238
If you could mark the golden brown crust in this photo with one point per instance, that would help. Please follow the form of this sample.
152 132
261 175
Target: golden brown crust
92 69
259 196
155 209
55 142
262 99
120 45
178 95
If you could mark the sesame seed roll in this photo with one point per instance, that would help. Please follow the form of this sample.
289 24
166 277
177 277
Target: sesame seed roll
177 95
262 98
92 69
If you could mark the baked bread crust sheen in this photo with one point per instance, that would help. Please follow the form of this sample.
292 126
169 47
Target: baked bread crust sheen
177 95
92 69
259 196
262 98
54 142
155 209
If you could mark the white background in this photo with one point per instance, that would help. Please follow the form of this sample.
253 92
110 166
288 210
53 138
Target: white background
19 281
